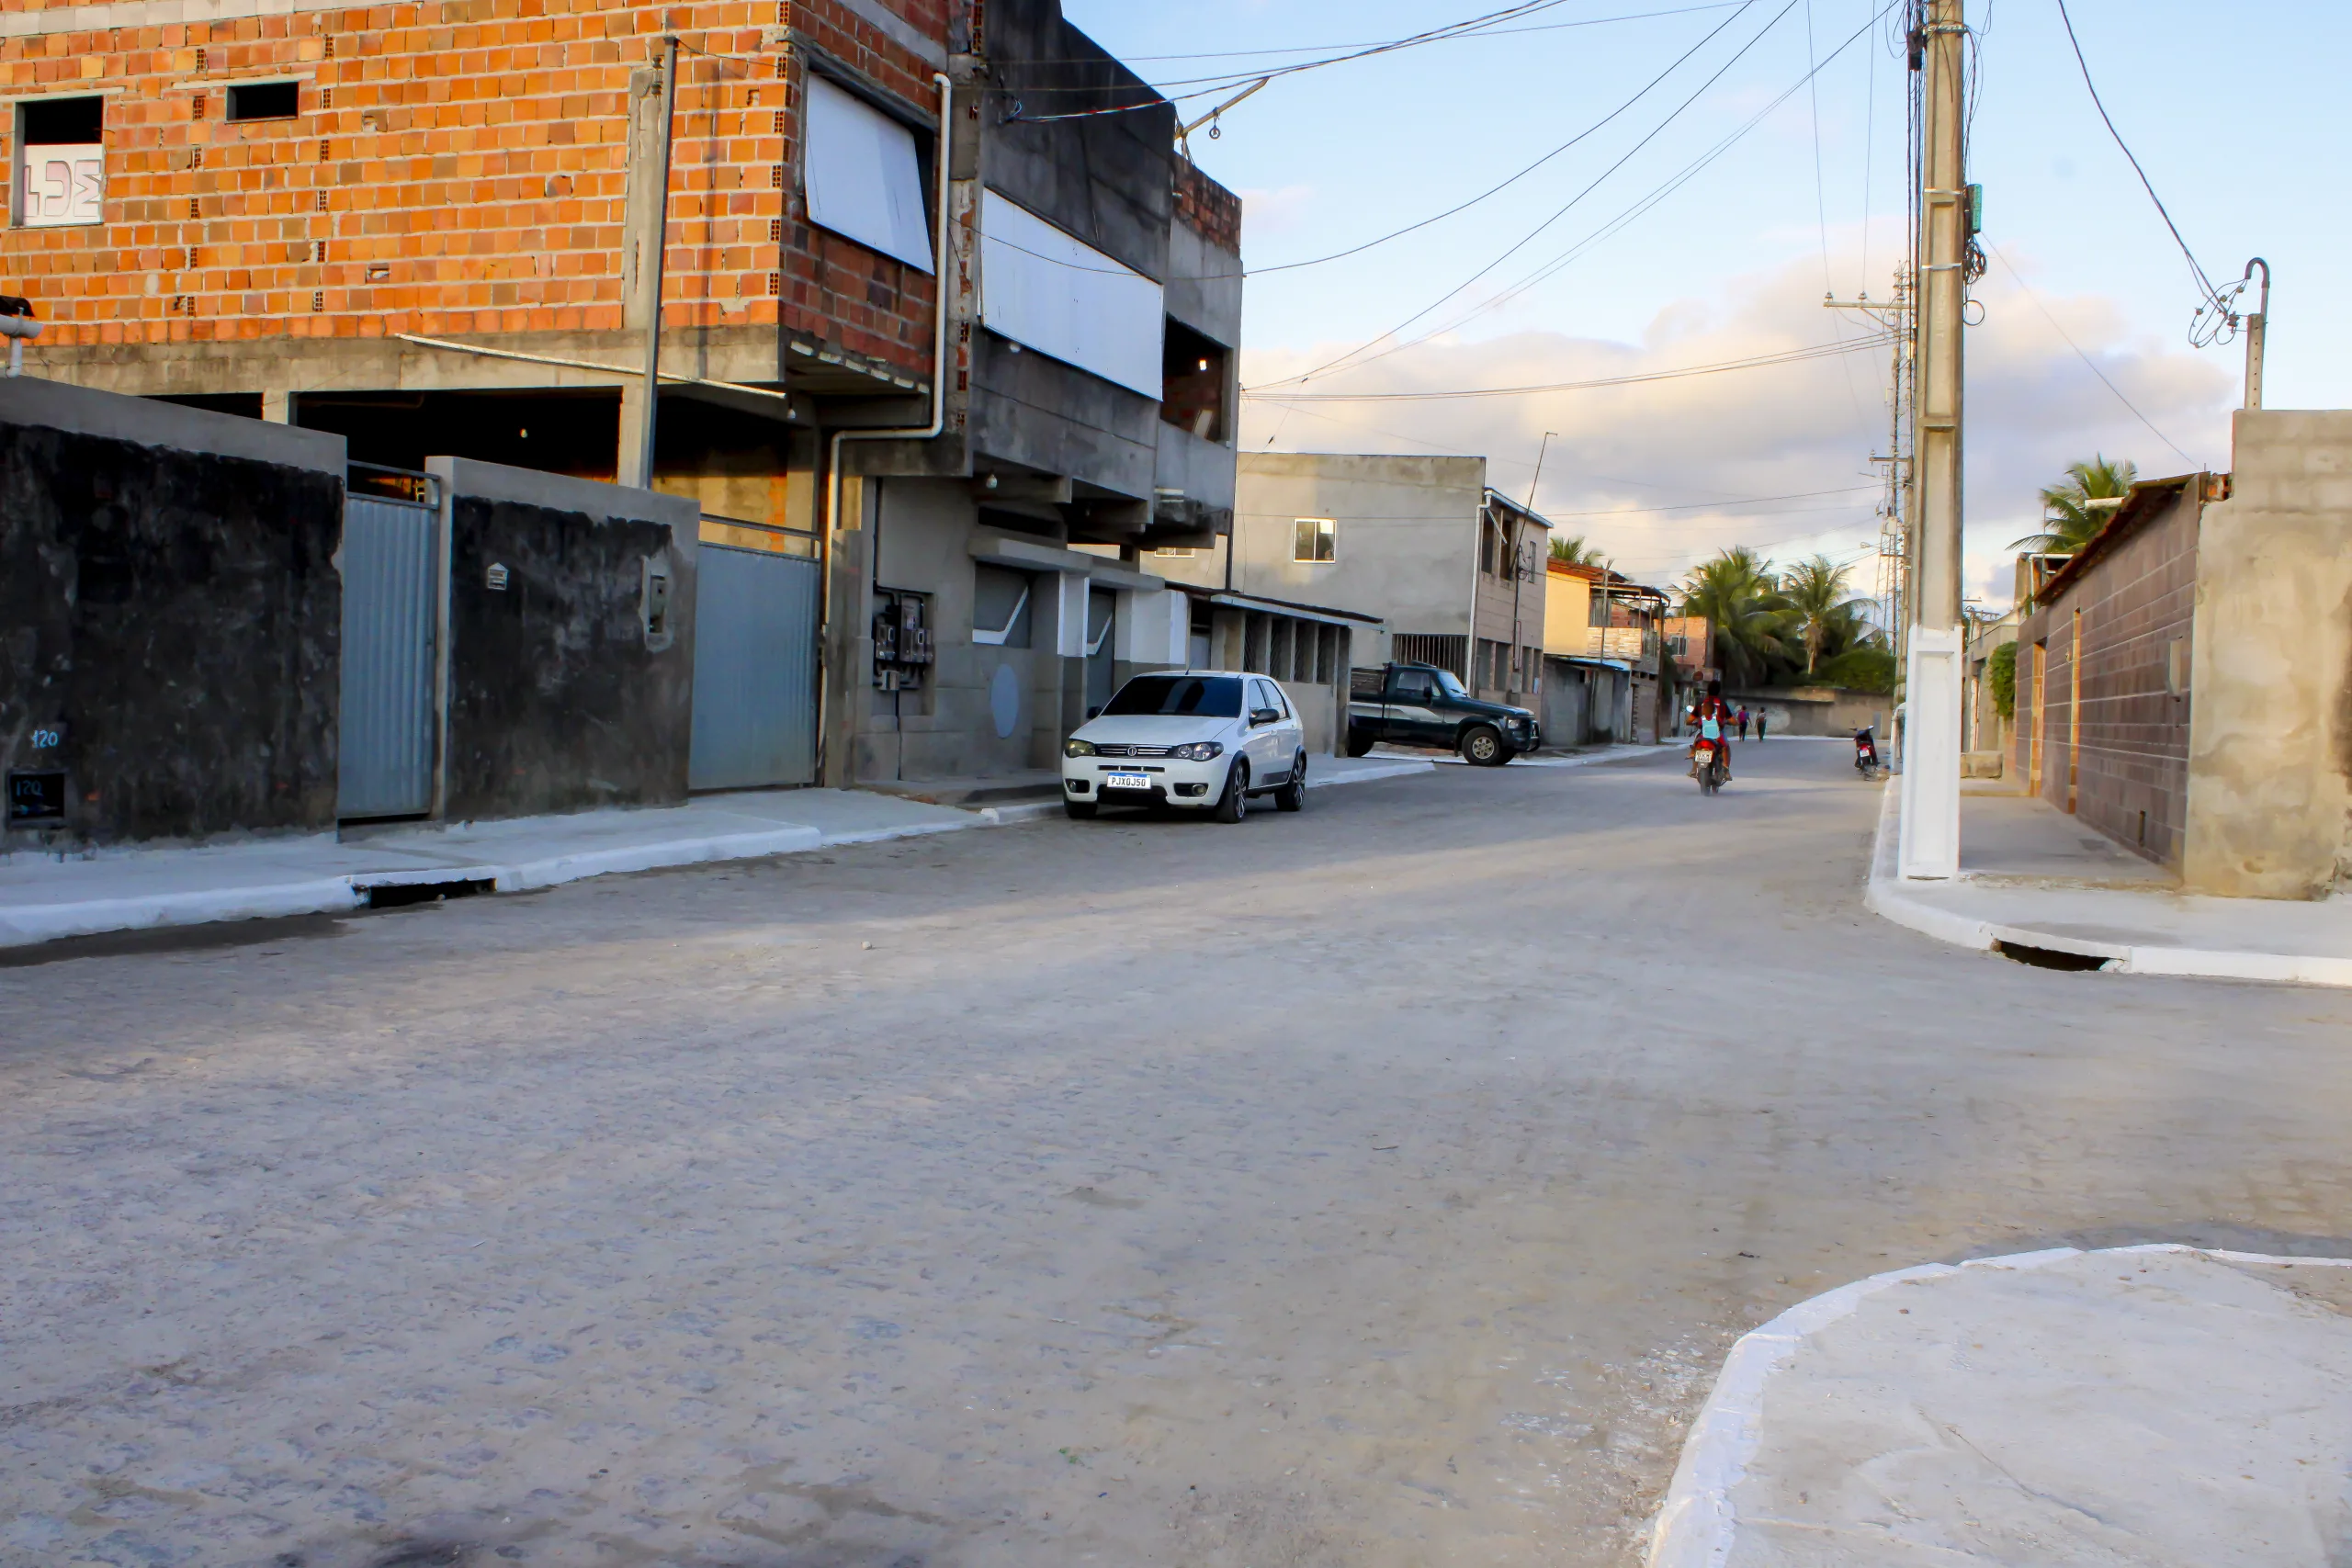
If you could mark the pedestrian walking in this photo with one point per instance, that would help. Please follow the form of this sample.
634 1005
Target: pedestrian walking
1763 720
1743 721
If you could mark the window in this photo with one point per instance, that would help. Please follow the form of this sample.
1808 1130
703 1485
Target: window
1000 606
1415 686
1047 289
266 100
1315 539
1192 696
1486 547
1192 381
1266 694
60 162
862 176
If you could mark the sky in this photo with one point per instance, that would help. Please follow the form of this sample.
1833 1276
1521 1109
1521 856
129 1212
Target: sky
1662 257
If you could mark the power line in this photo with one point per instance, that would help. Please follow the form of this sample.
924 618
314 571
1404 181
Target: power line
1571 141
1612 226
2088 361
1229 80
1314 48
1615 225
1562 212
2212 296
1786 356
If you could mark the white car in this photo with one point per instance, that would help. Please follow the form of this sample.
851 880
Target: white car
1196 739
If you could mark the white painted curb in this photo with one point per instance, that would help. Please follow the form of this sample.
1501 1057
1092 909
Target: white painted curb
1697 1526
1886 899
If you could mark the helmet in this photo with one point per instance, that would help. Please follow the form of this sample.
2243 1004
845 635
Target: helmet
1715 688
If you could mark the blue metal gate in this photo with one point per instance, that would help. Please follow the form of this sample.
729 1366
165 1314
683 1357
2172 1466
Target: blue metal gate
391 599
755 670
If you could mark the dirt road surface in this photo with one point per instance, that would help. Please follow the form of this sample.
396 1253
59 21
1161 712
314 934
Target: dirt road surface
1373 1186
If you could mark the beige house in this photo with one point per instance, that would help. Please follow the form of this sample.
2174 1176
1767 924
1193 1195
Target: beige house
1451 569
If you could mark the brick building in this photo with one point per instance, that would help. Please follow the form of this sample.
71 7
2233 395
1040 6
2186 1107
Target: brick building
2104 654
430 227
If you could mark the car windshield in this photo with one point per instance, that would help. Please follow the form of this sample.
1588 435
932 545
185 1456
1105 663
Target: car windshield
1189 696
1452 687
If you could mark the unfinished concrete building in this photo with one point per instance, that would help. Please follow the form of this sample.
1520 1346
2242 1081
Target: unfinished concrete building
443 230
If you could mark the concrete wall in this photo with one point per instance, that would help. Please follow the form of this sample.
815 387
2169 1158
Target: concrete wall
2123 768
170 615
2270 748
1817 710
557 702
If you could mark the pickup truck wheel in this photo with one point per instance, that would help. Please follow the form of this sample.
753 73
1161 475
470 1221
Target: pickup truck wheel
1483 745
1234 803
1358 745
1082 810
1292 795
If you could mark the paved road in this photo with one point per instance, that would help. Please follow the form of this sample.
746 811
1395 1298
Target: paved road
1376 1187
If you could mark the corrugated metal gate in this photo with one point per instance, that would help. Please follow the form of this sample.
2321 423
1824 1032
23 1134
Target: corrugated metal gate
755 670
391 526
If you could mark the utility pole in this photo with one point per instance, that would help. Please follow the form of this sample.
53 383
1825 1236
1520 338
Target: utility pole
1889 578
2257 326
655 241
1930 843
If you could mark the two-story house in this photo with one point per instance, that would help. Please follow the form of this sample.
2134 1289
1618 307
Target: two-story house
926 318
1452 567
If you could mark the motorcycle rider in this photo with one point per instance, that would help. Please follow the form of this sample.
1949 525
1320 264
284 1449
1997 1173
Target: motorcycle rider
1713 718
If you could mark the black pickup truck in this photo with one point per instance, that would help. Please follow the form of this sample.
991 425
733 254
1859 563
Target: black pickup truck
1421 704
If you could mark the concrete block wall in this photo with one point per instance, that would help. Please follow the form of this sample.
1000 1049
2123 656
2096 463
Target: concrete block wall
170 616
457 166
2270 754
557 699
2126 772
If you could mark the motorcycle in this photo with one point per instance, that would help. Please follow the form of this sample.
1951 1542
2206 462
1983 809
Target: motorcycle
1866 755
1710 766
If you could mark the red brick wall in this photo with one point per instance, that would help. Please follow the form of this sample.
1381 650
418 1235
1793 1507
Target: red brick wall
1207 208
464 164
2132 757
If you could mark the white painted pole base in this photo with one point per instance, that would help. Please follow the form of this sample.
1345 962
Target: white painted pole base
1929 845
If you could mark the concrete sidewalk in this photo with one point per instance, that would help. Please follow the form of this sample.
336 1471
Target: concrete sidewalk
2160 1406
1616 751
45 897
2035 878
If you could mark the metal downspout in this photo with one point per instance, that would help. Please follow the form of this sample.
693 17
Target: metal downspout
943 273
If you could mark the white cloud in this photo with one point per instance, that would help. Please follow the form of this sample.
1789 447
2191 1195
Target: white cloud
1275 212
1711 446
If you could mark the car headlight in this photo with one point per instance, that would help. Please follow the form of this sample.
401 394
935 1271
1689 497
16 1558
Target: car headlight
1074 747
1199 751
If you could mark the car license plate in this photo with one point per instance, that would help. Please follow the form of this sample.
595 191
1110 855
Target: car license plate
1126 781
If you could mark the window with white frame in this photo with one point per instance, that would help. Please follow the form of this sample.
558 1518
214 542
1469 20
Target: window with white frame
1315 539
61 174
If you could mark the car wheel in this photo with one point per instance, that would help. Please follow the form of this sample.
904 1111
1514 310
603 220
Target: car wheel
1234 803
1359 745
1292 795
1483 744
1081 810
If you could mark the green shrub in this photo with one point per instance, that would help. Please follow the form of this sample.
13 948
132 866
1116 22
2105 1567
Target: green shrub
2001 676
1866 669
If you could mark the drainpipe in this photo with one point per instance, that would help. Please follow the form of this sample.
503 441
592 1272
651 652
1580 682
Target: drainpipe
1470 643
942 272
16 325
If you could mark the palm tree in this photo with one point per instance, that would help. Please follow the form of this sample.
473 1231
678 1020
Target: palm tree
2074 510
1571 550
1819 606
1739 599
